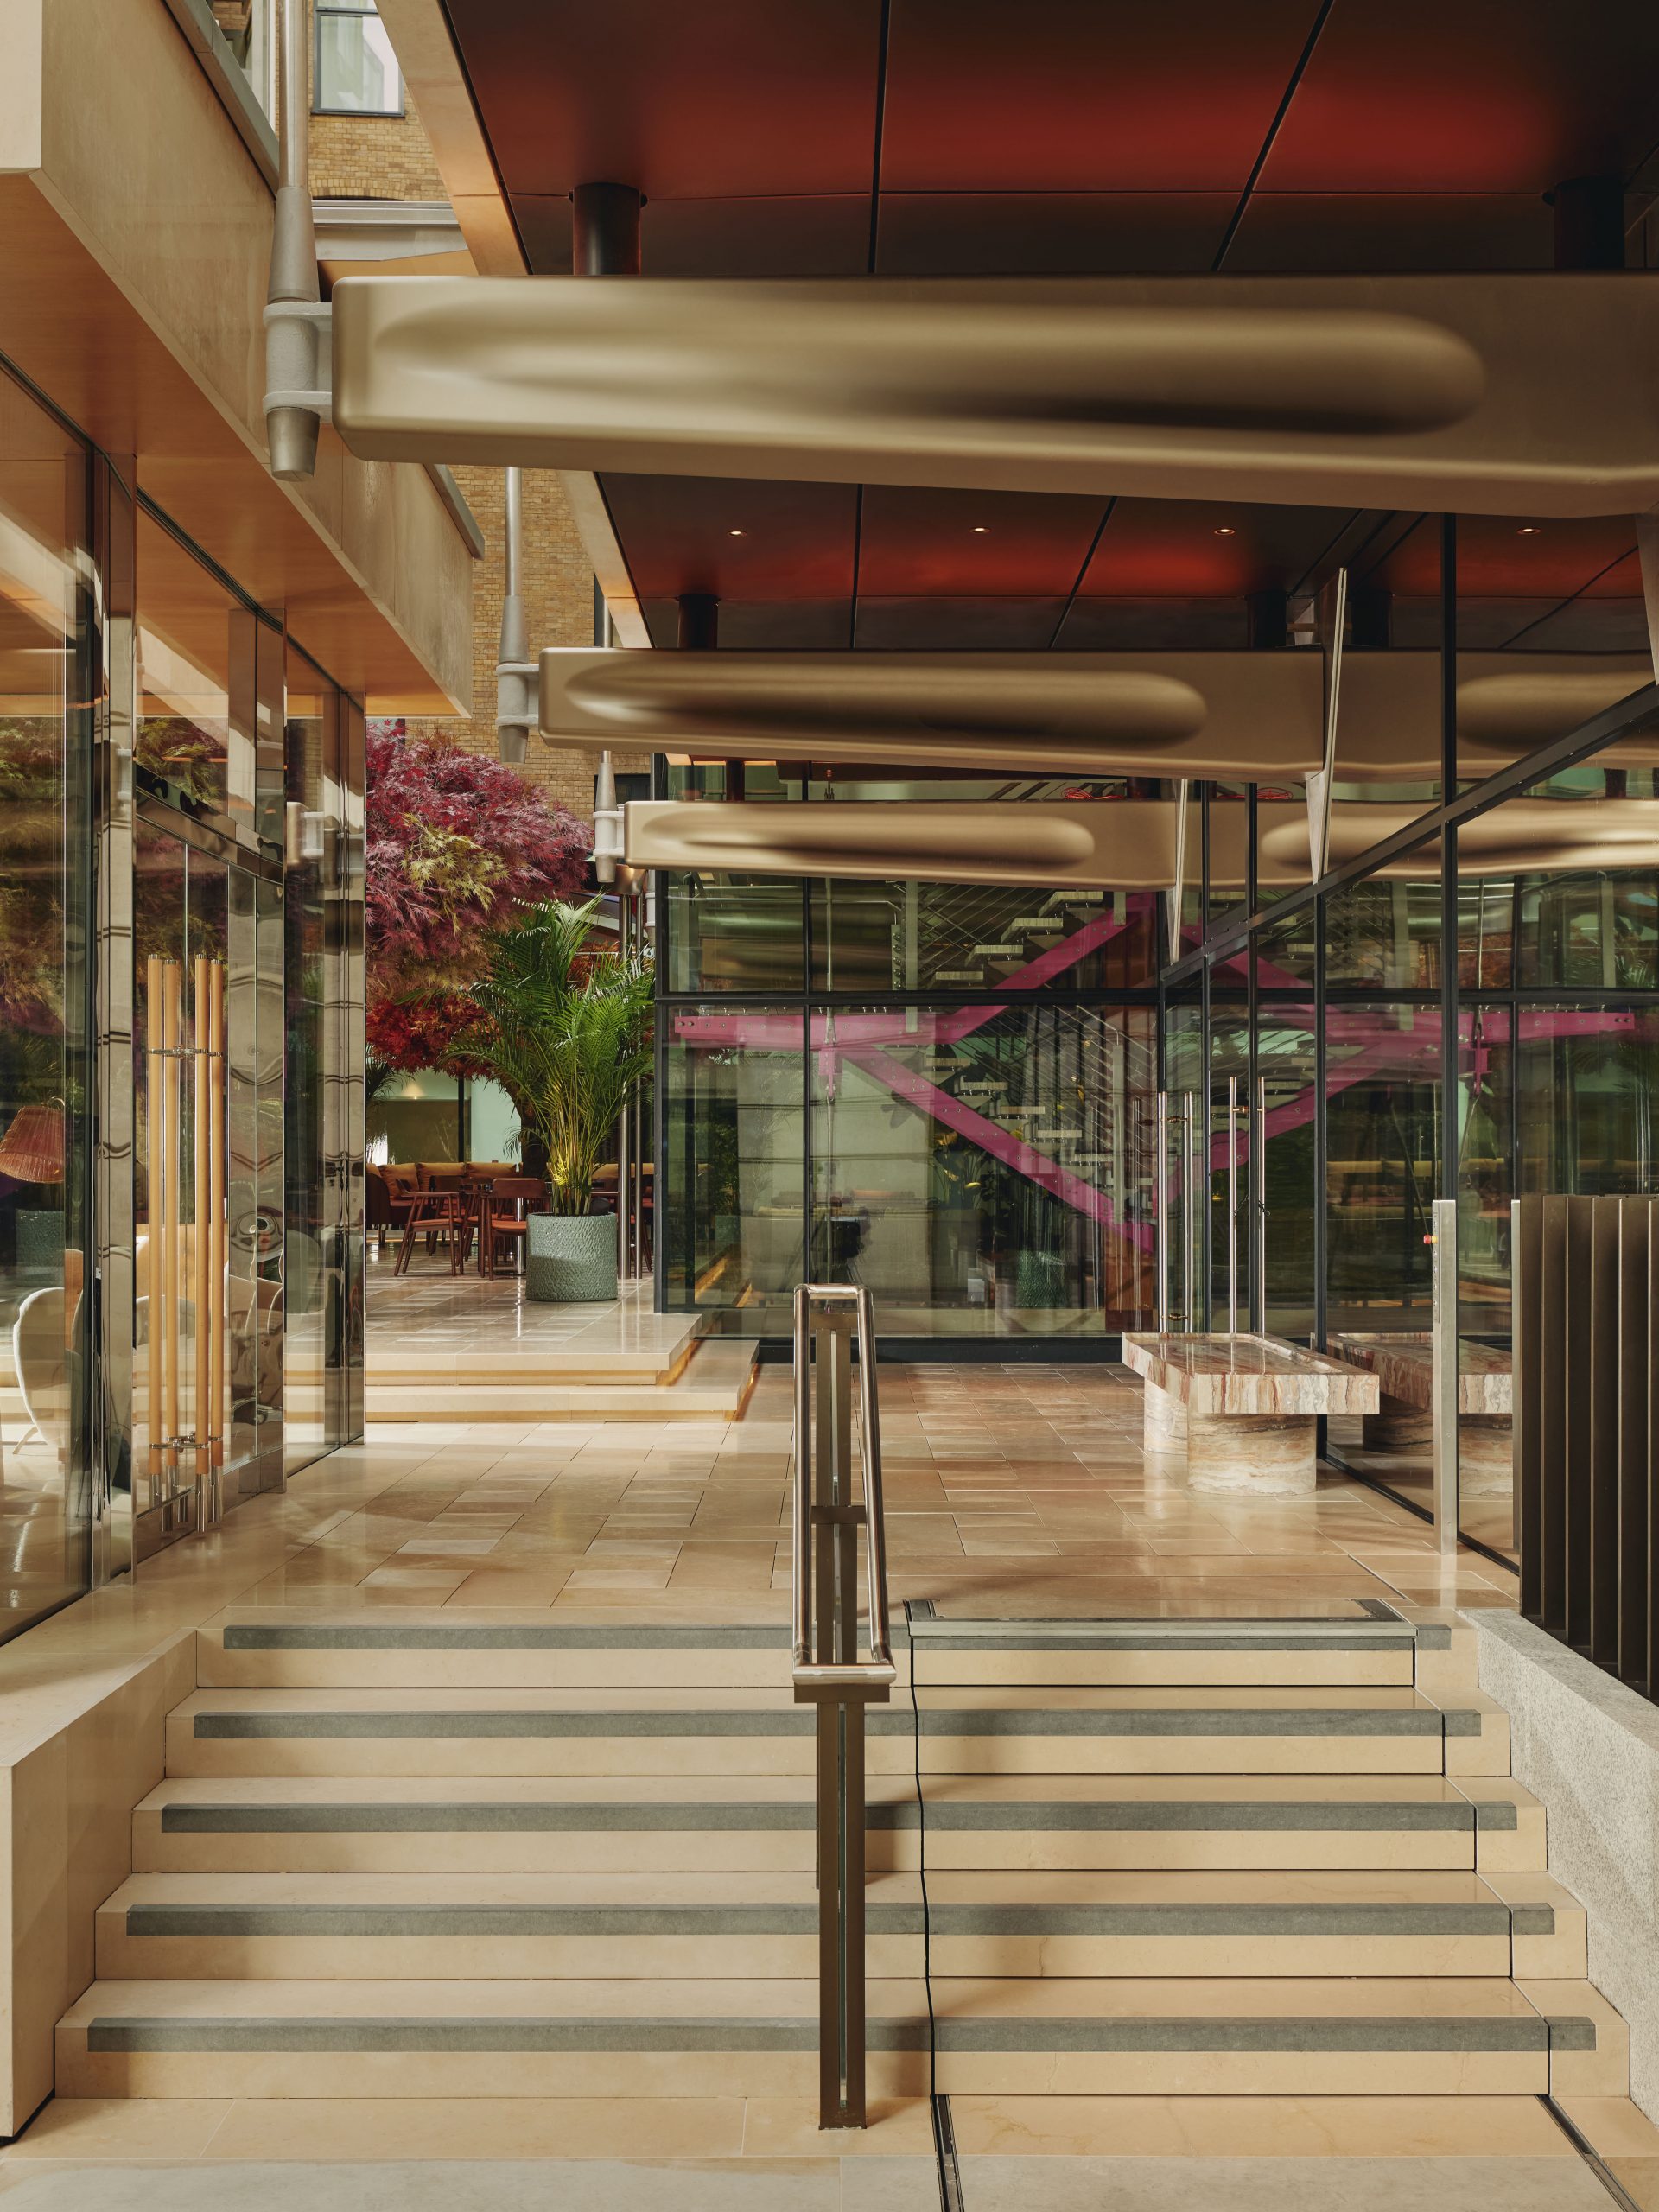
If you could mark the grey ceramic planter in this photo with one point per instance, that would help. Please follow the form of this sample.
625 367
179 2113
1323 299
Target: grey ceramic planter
571 1256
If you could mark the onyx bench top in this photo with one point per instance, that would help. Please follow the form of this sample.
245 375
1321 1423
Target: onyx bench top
1222 1374
1404 1365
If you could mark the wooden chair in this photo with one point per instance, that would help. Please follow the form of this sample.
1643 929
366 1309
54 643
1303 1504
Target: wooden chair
505 1216
437 1215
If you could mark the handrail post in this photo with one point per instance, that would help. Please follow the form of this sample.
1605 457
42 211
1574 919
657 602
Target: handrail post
828 1672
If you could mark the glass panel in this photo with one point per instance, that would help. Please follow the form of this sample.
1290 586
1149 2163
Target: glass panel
1486 932
1596 930
1229 841
196 647
1228 1177
1586 1078
986 1172
357 70
1383 1136
733 1124
1384 934
45 1057
1551 630
949 937
1388 761
732 932
1192 922
1184 1182
308 1236
1288 1110
1285 954
1485 1147
246 27
207 1396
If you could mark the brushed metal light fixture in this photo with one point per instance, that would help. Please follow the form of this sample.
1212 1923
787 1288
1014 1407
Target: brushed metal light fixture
1243 717
1500 393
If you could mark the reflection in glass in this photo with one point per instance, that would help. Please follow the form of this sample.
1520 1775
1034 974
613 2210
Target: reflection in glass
1485 1395
1287 1102
190 629
1229 1179
733 1226
1384 934
45 1050
732 932
986 1172
958 936
1382 1148
1183 1179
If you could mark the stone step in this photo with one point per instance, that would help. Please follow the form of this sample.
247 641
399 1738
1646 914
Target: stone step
757 1926
1132 1731
427 1824
527 1650
715 1385
696 2038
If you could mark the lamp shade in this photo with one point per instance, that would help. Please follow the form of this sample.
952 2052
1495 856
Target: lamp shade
31 1151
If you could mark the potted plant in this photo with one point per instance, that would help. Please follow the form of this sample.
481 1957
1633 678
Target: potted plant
565 1031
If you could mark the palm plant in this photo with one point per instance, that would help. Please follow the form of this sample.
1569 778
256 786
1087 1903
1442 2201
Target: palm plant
566 1033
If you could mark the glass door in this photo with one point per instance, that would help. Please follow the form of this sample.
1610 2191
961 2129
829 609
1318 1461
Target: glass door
1227 1136
1181 1117
208 1317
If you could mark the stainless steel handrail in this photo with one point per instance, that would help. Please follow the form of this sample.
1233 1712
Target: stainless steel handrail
828 1672
878 1669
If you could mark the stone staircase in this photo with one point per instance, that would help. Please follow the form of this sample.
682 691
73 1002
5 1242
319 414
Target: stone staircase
420 1857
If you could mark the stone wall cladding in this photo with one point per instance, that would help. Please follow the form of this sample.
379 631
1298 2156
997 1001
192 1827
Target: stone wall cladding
390 157
1588 1749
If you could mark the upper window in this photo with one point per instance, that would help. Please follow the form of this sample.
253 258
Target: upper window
356 72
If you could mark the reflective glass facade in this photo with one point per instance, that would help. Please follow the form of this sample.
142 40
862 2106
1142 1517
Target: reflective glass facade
944 1092
1376 1073
181 1052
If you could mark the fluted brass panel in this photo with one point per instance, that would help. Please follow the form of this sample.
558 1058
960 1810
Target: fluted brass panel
1587 1395
1241 716
1500 393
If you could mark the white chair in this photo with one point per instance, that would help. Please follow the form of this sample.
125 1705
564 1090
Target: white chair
40 1357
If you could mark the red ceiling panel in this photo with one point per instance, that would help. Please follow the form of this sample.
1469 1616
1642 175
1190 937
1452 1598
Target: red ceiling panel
1337 233
1050 234
1479 96
742 541
1501 558
1176 549
744 98
930 543
1079 96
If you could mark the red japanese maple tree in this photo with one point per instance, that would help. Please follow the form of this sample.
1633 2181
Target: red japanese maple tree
454 843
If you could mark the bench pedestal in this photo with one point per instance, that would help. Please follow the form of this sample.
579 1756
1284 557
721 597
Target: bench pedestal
1253 1455
1485 1455
1163 1421
1398 1426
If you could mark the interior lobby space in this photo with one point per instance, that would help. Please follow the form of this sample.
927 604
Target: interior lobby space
828 1091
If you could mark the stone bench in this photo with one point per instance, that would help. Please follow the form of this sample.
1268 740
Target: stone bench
1245 1407
1404 1364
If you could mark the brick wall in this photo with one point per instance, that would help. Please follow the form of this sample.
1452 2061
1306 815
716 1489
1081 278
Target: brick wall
374 157
558 594
390 157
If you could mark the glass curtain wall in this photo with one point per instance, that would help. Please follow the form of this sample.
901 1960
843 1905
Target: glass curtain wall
47 1440
323 1241
148 1060
1390 1069
944 1092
